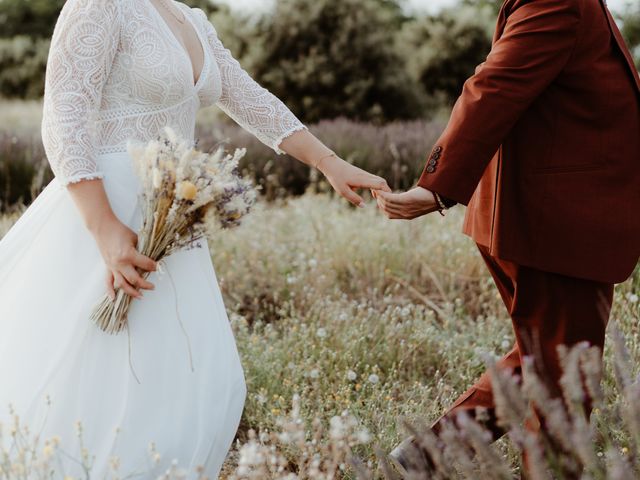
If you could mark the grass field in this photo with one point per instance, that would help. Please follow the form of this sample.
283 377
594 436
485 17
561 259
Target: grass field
350 311
350 323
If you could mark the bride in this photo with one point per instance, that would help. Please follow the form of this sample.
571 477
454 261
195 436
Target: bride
119 70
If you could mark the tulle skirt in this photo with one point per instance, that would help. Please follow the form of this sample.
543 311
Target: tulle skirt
189 392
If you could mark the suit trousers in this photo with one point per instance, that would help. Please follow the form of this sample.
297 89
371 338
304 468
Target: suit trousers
546 310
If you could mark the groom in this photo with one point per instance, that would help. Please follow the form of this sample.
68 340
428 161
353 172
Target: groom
543 147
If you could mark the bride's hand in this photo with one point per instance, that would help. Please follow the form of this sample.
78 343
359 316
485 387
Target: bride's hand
117 244
346 178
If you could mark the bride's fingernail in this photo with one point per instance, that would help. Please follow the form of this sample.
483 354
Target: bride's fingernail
361 205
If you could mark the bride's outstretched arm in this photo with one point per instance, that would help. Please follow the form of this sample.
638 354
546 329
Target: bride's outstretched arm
343 177
265 116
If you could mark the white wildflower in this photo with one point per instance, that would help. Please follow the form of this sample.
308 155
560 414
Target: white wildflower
157 178
337 428
363 437
373 378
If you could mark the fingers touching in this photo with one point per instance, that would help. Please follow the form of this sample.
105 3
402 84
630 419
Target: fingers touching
408 205
390 205
371 182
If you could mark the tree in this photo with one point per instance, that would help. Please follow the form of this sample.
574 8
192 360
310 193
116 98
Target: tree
25 31
443 50
631 29
35 18
332 58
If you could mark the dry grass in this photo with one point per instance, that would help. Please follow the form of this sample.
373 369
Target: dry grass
368 324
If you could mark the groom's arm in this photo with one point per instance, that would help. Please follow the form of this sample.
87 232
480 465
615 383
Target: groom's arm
536 44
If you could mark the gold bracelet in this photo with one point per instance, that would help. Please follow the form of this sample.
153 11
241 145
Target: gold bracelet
317 164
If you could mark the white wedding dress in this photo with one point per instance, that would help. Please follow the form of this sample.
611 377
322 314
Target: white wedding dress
116 72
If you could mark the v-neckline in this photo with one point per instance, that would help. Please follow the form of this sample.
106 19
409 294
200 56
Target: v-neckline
177 43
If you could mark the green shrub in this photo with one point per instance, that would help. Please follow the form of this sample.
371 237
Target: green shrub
23 170
23 61
334 58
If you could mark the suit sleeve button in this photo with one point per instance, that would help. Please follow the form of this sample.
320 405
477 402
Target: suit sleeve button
433 162
431 169
438 149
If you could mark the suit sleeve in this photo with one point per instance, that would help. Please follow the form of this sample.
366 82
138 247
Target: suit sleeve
536 44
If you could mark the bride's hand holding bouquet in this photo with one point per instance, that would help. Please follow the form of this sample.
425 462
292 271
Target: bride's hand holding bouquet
183 193
116 241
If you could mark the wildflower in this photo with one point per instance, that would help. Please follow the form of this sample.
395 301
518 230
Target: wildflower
363 437
186 190
337 428
157 178
315 373
47 451
115 463
321 333
632 297
373 378
351 375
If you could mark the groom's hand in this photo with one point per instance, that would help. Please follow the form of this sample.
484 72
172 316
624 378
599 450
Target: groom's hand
408 205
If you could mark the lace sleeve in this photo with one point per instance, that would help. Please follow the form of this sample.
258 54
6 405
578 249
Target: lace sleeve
83 45
253 107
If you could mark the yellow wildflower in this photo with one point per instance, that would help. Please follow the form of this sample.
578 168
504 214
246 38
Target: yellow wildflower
186 190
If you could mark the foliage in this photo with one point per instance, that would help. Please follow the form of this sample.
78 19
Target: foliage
443 50
389 321
25 32
395 151
385 320
631 29
37 18
22 169
34 18
23 60
331 58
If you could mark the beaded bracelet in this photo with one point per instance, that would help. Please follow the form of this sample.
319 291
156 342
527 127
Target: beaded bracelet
441 206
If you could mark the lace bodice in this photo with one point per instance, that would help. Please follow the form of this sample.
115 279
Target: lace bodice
117 72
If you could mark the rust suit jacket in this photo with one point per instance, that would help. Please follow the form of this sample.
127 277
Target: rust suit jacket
543 145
